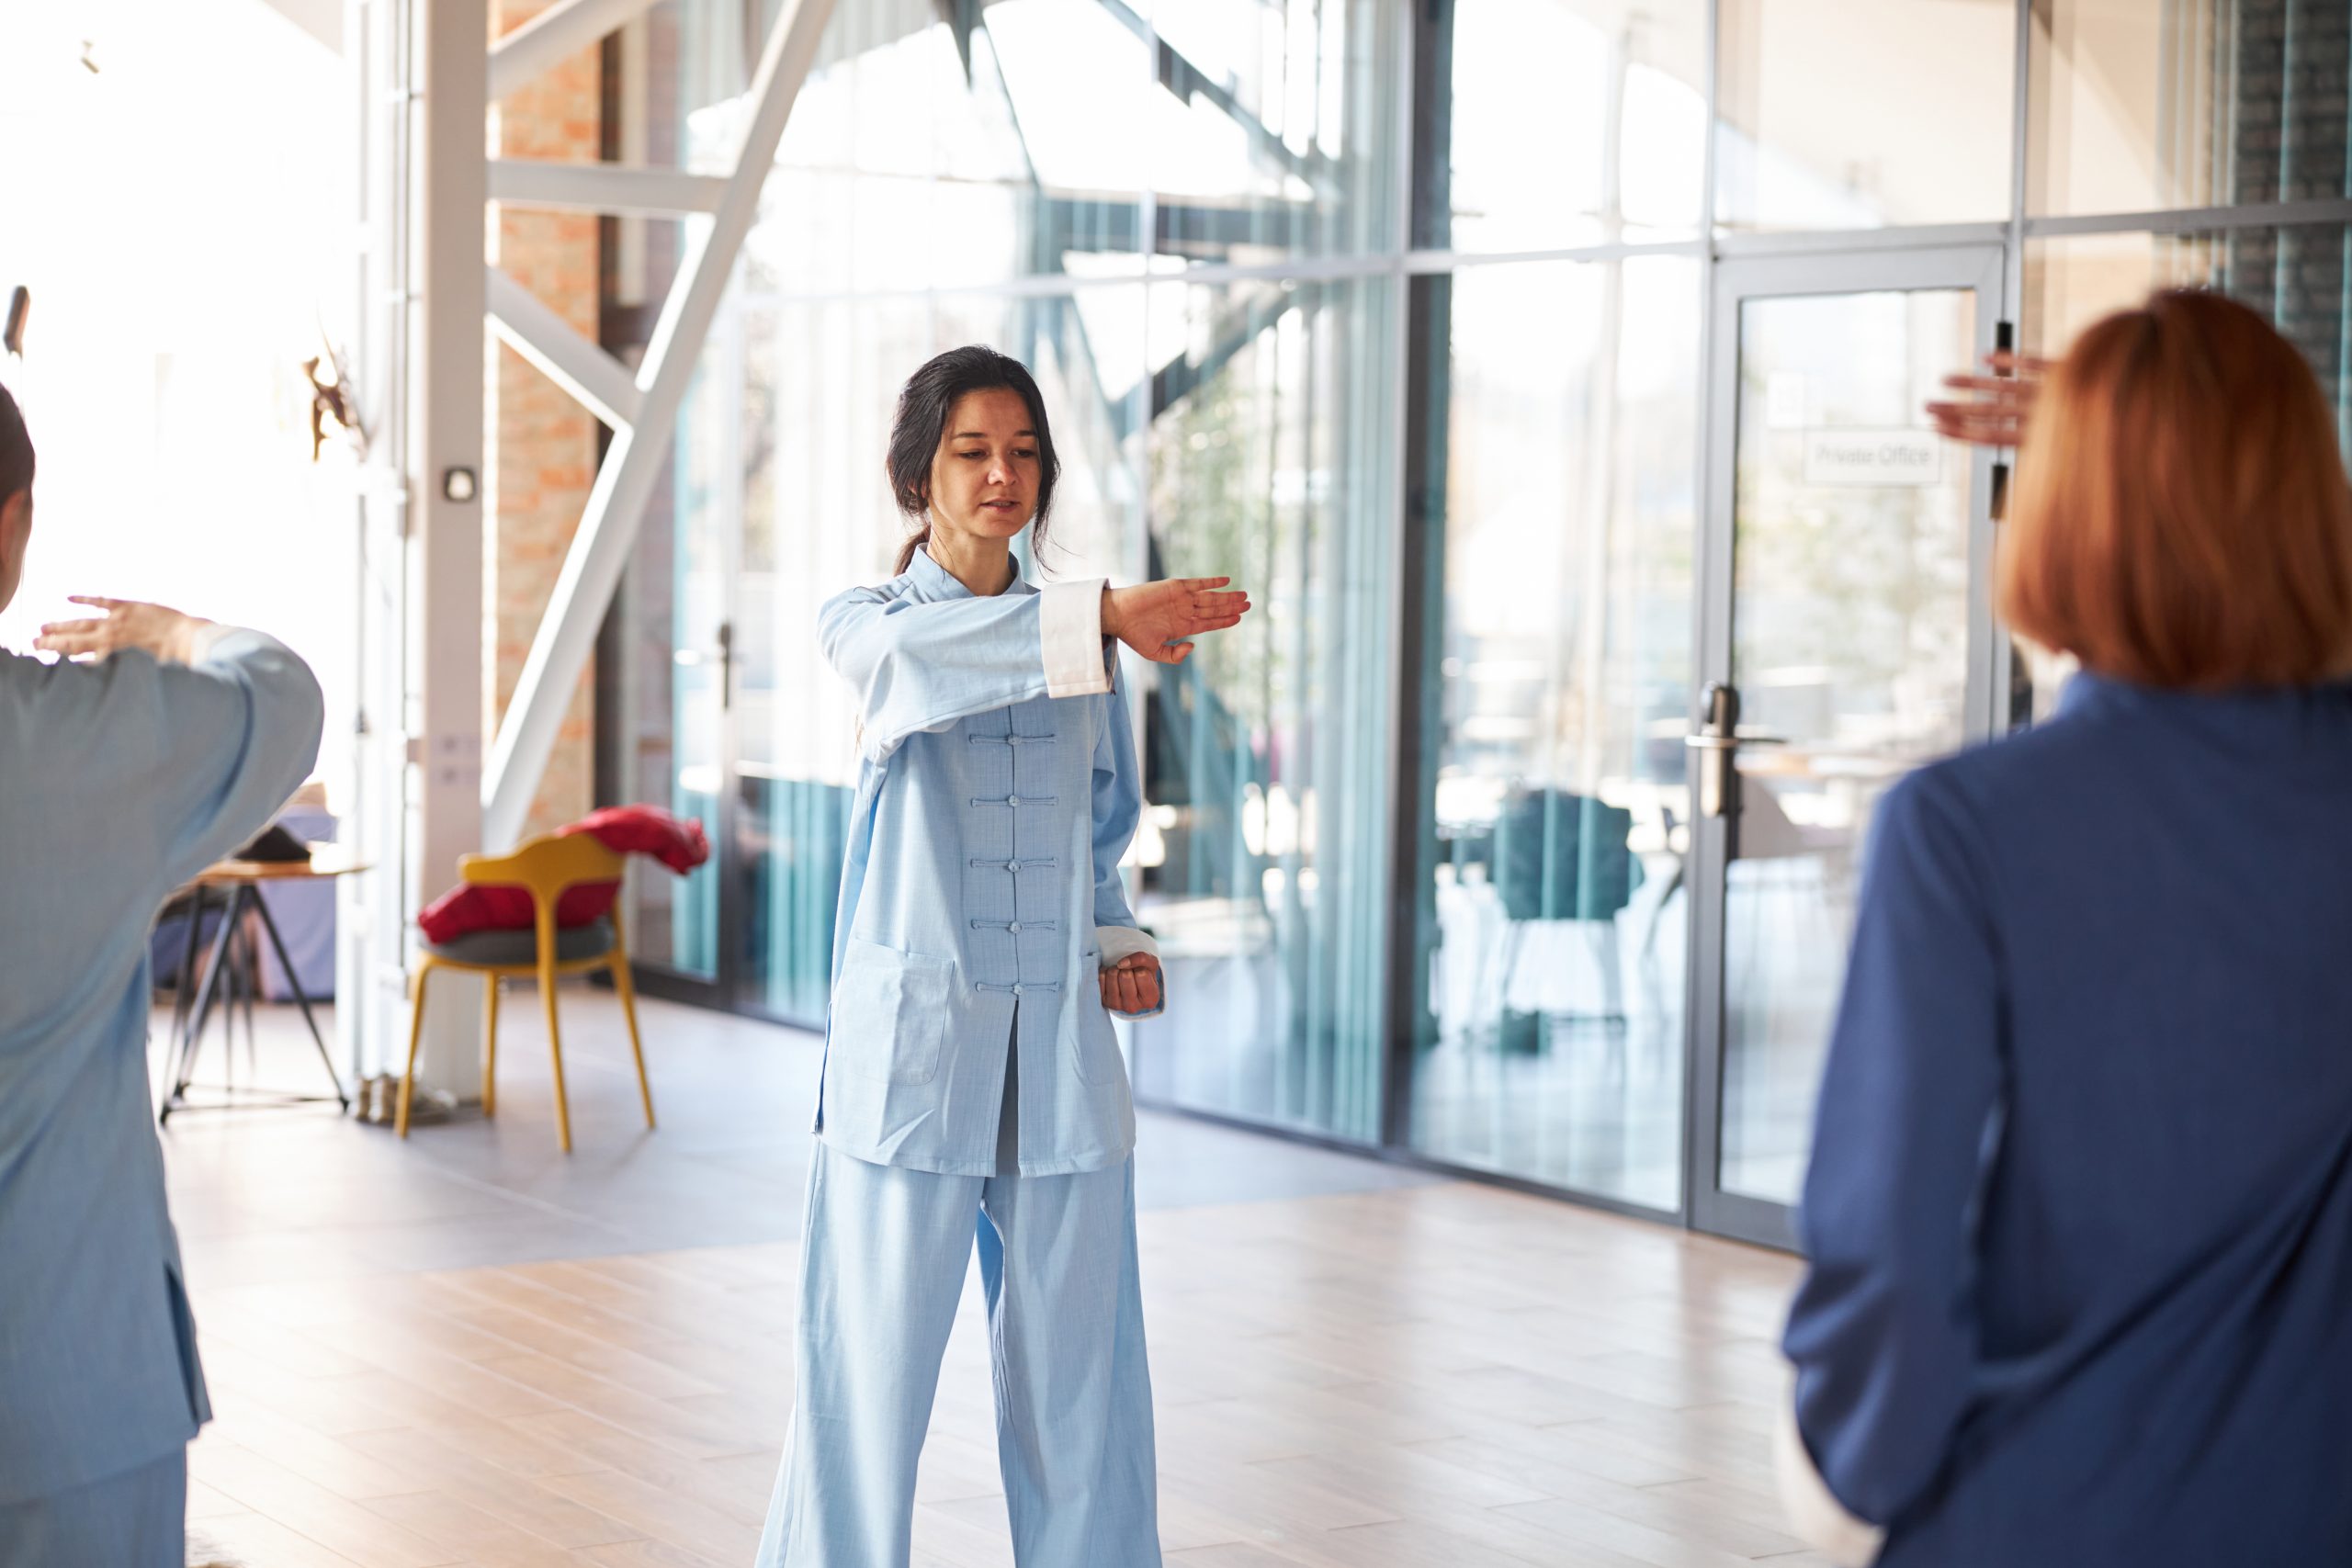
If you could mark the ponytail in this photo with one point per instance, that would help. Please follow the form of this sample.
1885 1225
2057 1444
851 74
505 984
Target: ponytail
915 541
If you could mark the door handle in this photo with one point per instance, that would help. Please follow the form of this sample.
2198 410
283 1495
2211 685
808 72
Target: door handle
695 658
1717 740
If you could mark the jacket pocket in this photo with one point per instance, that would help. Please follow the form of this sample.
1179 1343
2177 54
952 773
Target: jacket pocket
1086 1025
890 1013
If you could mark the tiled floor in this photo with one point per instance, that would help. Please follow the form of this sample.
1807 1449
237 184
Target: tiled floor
472 1349
265 1195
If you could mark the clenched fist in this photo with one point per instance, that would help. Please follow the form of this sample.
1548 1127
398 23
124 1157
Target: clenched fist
1133 985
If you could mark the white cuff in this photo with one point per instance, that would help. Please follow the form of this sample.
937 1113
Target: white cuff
209 636
1070 616
1121 942
1814 1512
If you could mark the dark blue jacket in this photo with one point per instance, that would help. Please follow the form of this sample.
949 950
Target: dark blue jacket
2080 1209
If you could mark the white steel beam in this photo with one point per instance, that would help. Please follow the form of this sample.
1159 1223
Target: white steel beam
603 187
322 19
526 324
554 36
600 549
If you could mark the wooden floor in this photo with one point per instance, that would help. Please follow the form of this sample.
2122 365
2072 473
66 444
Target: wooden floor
1451 1376
591 1364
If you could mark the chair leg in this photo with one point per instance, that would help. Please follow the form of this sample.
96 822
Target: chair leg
555 1044
627 989
415 1034
489 1045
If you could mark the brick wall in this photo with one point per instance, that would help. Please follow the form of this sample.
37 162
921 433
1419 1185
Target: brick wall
543 449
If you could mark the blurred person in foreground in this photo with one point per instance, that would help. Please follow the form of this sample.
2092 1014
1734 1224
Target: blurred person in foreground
2079 1216
161 743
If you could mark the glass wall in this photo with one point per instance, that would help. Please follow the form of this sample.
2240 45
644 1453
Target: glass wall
2139 107
1267 753
1830 115
1400 315
1558 673
1562 123
1552 512
1041 175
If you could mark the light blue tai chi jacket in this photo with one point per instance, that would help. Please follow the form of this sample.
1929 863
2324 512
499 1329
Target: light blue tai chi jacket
119 780
998 789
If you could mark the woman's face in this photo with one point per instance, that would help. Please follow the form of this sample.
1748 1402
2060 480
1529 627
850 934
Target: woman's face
984 477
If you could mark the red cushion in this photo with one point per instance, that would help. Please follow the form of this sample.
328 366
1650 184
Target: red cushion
464 910
676 842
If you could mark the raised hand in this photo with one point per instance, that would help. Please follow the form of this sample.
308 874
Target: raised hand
168 634
1133 985
1997 415
1158 620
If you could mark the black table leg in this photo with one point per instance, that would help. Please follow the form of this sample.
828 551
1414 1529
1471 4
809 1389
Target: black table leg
300 996
194 1035
247 978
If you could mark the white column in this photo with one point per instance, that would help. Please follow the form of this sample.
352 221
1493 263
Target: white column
448 192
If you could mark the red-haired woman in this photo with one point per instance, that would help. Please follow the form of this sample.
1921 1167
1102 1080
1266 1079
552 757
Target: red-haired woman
2080 1211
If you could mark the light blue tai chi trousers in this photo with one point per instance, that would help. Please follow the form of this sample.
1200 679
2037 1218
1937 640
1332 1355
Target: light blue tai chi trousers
133 1520
883 1261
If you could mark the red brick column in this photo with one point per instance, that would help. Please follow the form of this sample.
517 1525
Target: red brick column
543 447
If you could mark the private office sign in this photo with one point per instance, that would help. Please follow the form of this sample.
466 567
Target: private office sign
1862 457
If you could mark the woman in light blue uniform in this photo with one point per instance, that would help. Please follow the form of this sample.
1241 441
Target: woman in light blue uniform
160 744
972 1085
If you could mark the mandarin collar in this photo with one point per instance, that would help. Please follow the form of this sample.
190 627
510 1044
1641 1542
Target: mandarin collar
939 582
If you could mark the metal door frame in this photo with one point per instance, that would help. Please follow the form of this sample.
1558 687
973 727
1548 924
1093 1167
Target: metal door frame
1982 268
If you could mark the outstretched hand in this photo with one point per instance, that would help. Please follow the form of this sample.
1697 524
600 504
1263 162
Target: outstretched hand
1133 985
1158 620
1995 416
171 637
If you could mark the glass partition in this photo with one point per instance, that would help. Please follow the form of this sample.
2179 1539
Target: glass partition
2188 102
1830 115
1554 837
1394 314
1563 123
1268 754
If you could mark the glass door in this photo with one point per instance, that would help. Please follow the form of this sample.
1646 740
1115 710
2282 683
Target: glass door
1846 638
666 695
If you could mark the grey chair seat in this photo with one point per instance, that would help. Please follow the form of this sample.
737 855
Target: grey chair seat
522 947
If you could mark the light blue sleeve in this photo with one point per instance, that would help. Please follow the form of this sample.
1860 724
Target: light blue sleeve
1118 807
1883 1331
918 666
237 732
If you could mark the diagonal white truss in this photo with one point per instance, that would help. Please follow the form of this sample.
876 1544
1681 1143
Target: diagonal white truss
594 378
641 431
554 36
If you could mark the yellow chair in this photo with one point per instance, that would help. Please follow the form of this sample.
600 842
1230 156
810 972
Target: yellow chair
544 867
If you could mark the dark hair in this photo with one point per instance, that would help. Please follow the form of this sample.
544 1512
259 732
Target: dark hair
929 397
15 449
